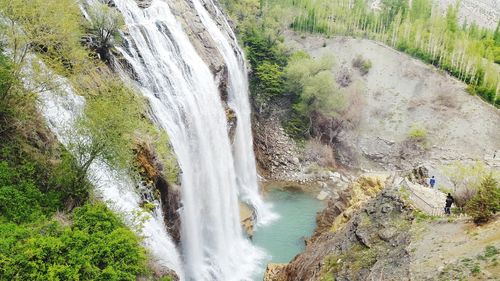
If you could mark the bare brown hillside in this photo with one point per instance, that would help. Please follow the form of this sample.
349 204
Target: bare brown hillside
401 93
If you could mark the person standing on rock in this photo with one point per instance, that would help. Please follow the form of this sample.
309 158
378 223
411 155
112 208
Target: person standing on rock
449 201
432 182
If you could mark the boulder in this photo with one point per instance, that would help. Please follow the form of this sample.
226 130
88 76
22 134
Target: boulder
273 272
322 195
246 219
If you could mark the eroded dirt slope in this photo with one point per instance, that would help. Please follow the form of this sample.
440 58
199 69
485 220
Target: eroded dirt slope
400 92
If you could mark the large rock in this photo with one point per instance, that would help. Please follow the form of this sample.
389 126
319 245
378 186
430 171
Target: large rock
144 3
246 219
273 271
157 187
371 244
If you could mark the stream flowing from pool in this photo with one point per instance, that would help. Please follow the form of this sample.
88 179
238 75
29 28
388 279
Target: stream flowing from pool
284 238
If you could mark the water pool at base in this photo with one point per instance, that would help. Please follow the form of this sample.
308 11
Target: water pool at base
284 238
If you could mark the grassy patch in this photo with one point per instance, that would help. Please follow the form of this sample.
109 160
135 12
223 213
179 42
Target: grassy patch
356 258
423 217
490 251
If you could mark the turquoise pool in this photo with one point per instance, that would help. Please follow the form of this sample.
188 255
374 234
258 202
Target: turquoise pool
284 238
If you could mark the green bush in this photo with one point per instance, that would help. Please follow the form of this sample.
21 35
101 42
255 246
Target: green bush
21 200
486 202
269 82
491 251
261 48
364 65
96 247
417 132
267 61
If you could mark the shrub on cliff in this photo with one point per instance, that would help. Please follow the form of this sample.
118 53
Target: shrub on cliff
268 81
97 246
364 65
103 28
50 28
486 202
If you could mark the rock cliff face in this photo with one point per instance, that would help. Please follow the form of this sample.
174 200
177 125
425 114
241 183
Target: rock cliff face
157 187
202 41
371 244
399 94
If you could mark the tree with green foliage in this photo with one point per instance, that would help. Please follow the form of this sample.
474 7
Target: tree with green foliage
50 28
268 81
419 29
318 102
103 28
486 202
109 128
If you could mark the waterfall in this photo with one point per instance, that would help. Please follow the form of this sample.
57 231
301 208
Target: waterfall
186 103
244 158
61 108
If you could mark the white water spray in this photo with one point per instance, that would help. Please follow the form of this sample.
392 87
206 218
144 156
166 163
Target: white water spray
186 103
244 158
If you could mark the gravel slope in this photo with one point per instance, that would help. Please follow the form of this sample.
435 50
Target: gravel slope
400 92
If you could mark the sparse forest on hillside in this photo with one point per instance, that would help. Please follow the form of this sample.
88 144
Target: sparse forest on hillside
465 50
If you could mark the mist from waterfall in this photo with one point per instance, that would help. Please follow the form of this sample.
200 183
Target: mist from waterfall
186 102
244 158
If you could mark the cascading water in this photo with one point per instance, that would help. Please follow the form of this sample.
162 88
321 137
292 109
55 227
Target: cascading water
244 159
61 109
186 103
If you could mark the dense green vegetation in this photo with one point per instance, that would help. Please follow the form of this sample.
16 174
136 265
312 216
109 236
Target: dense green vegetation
96 246
51 226
318 105
40 237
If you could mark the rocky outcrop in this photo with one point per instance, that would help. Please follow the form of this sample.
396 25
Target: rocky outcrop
370 245
206 47
144 3
157 188
344 202
274 271
160 273
246 219
276 153
202 41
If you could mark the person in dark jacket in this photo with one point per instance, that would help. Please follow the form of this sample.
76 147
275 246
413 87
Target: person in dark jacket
449 201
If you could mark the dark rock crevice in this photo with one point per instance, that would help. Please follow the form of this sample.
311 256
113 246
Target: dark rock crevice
157 188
